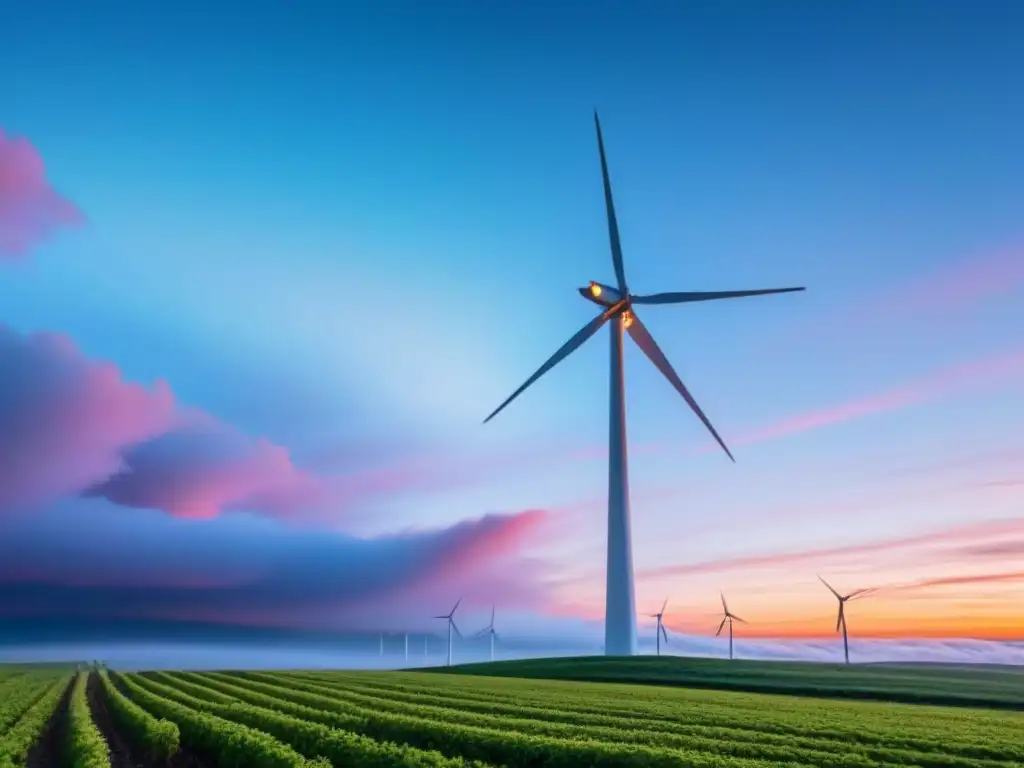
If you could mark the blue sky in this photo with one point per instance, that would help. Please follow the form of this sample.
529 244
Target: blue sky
353 231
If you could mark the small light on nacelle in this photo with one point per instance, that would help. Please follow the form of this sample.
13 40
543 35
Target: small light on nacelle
595 290
627 319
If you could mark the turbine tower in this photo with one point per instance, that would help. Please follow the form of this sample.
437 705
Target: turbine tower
450 617
406 647
381 643
617 308
660 631
841 618
729 617
489 632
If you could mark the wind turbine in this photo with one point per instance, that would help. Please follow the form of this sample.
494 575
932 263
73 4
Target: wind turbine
729 617
381 643
451 625
406 647
841 618
489 632
660 631
617 308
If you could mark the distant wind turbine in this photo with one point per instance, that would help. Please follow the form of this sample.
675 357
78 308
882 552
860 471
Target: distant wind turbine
728 617
660 632
617 308
450 617
489 632
841 618
407 647
381 643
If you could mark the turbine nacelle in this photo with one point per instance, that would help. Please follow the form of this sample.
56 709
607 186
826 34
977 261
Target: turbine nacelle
601 294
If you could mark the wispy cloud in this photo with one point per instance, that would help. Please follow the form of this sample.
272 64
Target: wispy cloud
956 534
30 209
976 578
952 286
956 379
953 379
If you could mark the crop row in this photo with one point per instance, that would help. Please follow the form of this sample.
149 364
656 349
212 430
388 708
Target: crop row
636 728
496 744
309 739
975 734
18 696
157 738
786 711
227 742
17 740
86 747
686 739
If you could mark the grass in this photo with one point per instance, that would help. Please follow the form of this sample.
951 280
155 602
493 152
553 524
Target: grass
989 687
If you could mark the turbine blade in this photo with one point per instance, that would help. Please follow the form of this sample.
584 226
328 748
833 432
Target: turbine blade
566 349
455 627
737 618
492 615
663 605
684 297
838 596
664 634
613 223
839 617
650 347
456 607
496 635
720 626
861 593
724 606
441 617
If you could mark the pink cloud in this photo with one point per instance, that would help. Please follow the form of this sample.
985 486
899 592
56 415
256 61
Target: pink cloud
64 419
70 425
203 471
30 209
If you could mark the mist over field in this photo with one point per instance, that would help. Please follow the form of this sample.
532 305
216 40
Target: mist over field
364 653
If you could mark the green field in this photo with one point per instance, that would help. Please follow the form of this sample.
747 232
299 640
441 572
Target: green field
305 719
977 686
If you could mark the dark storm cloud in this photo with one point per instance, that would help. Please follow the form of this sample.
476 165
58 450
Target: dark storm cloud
70 564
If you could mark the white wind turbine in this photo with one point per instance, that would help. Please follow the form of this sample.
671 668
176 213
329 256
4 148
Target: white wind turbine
660 632
729 617
489 632
450 618
841 617
617 308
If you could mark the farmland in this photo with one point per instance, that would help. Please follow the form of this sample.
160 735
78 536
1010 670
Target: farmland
94 719
965 685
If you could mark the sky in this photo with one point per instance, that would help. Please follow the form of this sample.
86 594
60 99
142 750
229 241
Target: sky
264 271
